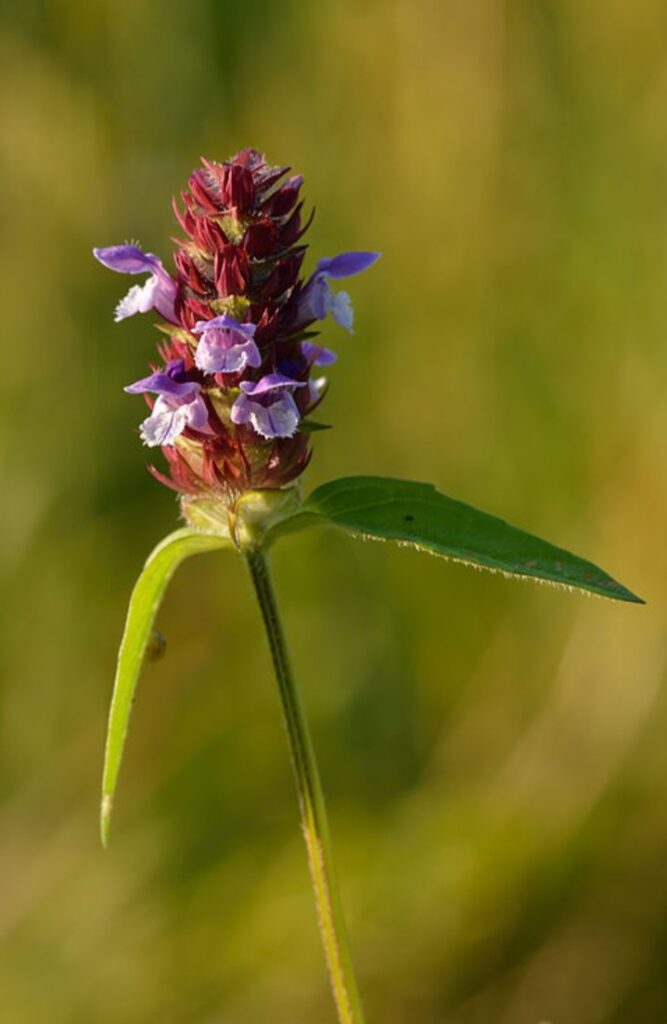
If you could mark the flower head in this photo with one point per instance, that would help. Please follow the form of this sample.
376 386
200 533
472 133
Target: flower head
236 383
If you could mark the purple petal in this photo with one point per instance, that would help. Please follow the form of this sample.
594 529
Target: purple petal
270 383
198 415
169 418
226 345
225 322
159 291
127 259
341 310
164 425
314 300
346 263
279 419
164 297
317 355
217 353
163 384
317 299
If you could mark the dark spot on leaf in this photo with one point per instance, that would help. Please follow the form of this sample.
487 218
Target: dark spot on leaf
156 646
408 519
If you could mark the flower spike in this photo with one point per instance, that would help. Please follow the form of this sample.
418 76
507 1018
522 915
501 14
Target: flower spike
239 371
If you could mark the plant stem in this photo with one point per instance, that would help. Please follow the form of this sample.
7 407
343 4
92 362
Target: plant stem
311 805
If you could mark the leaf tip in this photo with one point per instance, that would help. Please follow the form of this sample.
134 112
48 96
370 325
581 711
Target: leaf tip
617 591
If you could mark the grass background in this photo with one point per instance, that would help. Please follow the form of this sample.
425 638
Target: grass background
494 752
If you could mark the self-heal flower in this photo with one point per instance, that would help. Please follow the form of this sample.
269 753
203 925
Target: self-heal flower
318 298
179 405
268 405
226 346
158 292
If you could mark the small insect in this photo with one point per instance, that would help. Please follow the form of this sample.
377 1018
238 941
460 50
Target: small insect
156 646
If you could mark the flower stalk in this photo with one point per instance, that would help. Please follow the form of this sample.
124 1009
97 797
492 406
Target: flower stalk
311 805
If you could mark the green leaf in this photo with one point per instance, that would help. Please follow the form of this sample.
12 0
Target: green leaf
135 646
418 515
311 426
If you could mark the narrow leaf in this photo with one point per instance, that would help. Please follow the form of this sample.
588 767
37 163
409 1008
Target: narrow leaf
135 645
418 515
311 426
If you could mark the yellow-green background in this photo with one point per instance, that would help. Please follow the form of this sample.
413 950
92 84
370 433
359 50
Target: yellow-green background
494 752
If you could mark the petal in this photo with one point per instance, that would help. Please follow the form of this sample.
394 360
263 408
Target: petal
139 299
127 259
213 355
341 310
163 384
317 355
241 410
164 424
164 296
271 382
197 415
280 419
315 299
225 322
159 292
346 263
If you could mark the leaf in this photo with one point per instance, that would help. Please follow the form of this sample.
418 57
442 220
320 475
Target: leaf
311 426
418 515
135 645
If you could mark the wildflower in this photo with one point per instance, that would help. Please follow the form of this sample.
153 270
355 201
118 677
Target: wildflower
159 291
317 298
237 315
179 405
268 405
226 346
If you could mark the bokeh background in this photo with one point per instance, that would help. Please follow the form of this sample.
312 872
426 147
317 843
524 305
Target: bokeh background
494 752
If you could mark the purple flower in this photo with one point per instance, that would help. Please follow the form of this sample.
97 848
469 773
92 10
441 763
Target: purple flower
179 405
268 405
317 298
158 292
226 346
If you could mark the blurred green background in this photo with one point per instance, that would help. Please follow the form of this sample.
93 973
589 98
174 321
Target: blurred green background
494 752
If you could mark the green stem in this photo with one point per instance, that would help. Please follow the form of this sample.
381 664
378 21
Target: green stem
312 807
